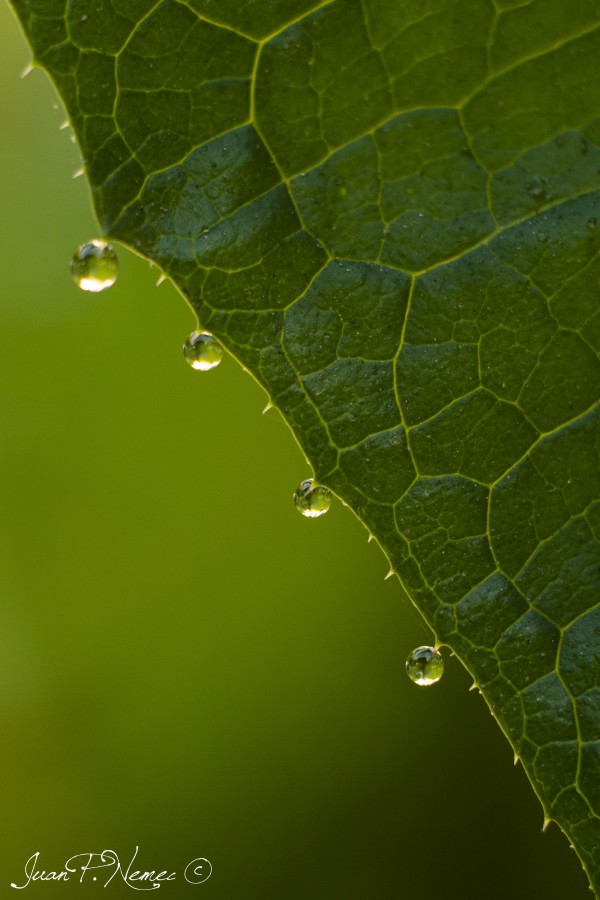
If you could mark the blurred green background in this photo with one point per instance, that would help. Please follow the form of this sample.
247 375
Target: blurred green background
188 665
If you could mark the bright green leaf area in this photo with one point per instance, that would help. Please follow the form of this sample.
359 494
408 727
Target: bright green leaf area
388 212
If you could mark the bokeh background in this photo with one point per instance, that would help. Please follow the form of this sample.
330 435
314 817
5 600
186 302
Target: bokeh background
186 664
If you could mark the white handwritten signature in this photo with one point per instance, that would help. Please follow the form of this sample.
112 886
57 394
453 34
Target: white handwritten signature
106 865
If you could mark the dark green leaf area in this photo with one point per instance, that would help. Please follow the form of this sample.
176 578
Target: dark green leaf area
390 215
563 167
528 649
483 303
351 393
520 34
273 283
465 438
444 522
518 108
303 106
582 638
223 205
548 491
549 712
432 376
257 18
167 104
90 28
350 310
411 194
561 578
382 462
486 612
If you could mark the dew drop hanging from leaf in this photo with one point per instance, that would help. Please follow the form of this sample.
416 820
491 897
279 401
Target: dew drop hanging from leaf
202 351
425 666
312 500
95 266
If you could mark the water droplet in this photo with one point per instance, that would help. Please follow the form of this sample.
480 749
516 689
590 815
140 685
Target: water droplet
425 665
94 266
539 189
592 222
312 500
542 238
202 351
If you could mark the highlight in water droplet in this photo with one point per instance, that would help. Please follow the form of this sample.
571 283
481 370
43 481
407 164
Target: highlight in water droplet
312 500
95 266
425 665
202 351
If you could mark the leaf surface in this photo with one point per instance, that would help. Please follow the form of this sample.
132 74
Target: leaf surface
388 213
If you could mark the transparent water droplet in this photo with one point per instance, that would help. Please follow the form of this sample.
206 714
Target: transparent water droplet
312 500
95 266
202 351
425 665
592 222
539 189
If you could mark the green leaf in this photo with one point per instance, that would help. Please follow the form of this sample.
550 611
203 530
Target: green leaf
388 213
